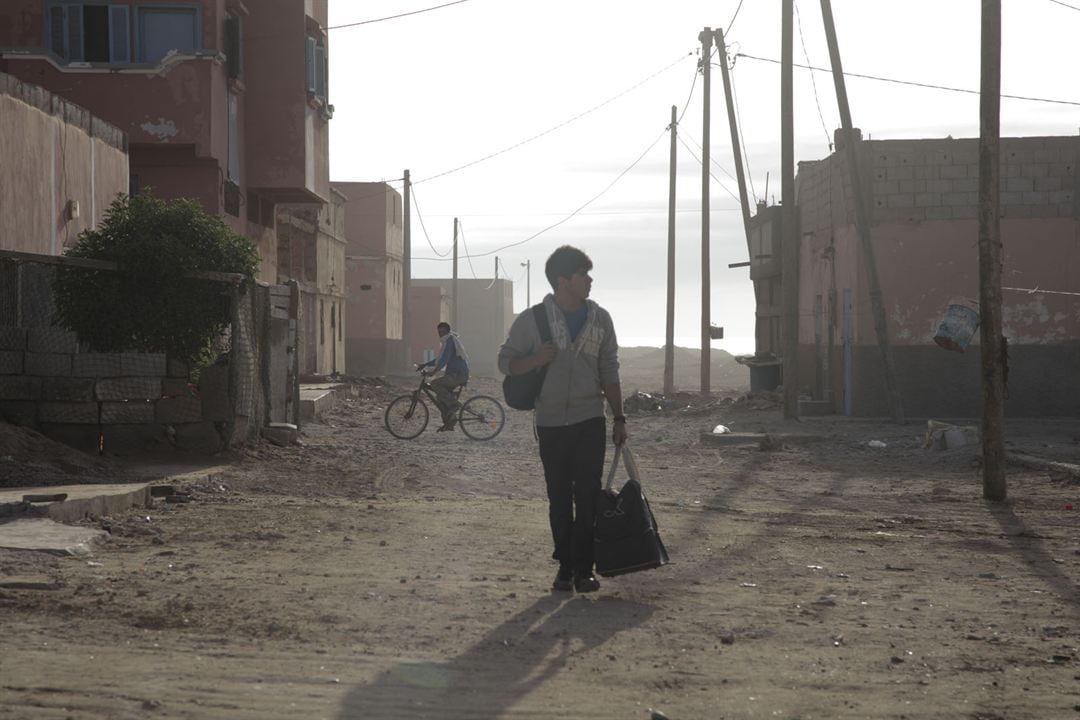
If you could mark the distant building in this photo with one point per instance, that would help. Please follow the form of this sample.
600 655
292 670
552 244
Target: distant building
221 101
923 199
430 306
60 168
374 275
484 314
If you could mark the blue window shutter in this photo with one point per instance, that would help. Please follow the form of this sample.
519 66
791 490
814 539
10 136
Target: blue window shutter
57 36
119 34
310 64
74 32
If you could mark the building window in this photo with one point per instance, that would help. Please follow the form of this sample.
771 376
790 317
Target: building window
234 137
234 64
85 32
231 196
317 68
163 29
322 322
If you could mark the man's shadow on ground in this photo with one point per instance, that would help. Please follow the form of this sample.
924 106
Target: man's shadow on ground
508 663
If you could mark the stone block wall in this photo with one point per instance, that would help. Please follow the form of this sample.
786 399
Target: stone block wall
121 403
938 179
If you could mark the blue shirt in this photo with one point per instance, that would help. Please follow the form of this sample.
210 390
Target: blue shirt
576 320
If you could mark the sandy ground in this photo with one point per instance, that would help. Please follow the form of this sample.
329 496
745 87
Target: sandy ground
359 576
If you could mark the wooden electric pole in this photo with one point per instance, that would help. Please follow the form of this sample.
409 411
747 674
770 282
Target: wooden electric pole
706 37
453 284
406 275
528 282
992 348
669 337
862 218
789 276
735 148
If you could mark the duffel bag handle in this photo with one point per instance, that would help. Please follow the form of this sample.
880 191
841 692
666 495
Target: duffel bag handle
622 451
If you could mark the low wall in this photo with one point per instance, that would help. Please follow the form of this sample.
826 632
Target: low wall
119 403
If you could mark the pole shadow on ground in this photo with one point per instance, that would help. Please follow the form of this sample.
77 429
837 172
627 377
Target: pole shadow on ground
509 662
1027 543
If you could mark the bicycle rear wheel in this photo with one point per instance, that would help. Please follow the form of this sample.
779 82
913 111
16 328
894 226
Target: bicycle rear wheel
481 417
406 417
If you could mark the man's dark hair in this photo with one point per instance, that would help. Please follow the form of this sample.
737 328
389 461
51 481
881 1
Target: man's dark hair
564 262
442 325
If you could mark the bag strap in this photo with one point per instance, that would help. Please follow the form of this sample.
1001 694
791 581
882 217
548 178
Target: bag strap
614 466
544 326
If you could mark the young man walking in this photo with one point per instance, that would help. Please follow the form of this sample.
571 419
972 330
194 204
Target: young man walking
582 363
452 357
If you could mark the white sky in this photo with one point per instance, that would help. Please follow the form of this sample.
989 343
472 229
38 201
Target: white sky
437 90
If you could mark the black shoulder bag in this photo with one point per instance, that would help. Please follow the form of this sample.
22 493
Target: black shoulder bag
521 391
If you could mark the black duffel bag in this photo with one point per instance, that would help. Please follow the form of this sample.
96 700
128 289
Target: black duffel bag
625 535
521 391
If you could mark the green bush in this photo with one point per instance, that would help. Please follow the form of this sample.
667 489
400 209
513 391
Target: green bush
151 304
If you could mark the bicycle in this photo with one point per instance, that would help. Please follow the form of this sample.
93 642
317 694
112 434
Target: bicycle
481 417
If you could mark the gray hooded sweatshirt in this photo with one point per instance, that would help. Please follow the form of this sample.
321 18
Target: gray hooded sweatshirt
573 388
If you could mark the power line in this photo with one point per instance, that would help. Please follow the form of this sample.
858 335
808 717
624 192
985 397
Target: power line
693 84
700 162
813 80
742 135
712 159
737 9
394 17
913 83
584 205
556 127
424 227
465 246
658 211
1065 5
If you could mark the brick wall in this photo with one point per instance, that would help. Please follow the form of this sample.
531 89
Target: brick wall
120 402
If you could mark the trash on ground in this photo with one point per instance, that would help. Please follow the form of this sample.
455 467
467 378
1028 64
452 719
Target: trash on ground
946 436
721 430
876 444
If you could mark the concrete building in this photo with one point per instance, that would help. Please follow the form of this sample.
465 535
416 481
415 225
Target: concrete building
374 275
485 312
221 101
60 167
430 306
311 250
923 197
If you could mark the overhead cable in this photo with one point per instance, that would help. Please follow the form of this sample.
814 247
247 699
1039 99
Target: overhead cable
584 205
913 83
465 247
737 9
701 162
1065 5
395 17
424 227
742 136
813 80
556 127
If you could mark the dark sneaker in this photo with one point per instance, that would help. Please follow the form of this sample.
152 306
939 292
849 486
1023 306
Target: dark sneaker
564 580
586 582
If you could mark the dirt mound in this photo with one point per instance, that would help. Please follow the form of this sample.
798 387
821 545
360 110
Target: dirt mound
642 368
28 458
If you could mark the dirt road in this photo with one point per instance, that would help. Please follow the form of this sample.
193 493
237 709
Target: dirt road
360 576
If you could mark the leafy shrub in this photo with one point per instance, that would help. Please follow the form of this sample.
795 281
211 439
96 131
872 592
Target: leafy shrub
151 304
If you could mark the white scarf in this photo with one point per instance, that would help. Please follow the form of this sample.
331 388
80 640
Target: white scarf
560 331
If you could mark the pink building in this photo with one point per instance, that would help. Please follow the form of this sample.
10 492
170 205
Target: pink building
60 167
374 274
221 100
923 197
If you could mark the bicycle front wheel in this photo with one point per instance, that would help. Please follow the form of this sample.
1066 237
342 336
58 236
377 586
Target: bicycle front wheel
406 417
481 417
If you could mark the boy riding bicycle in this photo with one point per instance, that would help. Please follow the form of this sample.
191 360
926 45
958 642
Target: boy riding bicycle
452 357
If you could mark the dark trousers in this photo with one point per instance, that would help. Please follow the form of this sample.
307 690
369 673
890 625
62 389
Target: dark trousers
573 458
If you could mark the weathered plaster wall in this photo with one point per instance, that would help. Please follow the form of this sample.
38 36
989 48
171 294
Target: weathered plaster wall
54 153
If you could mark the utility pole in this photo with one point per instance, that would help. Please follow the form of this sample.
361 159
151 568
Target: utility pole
669 344
406 274
706 37
453 285
789 217
992 349
737 152
528 282
862 218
